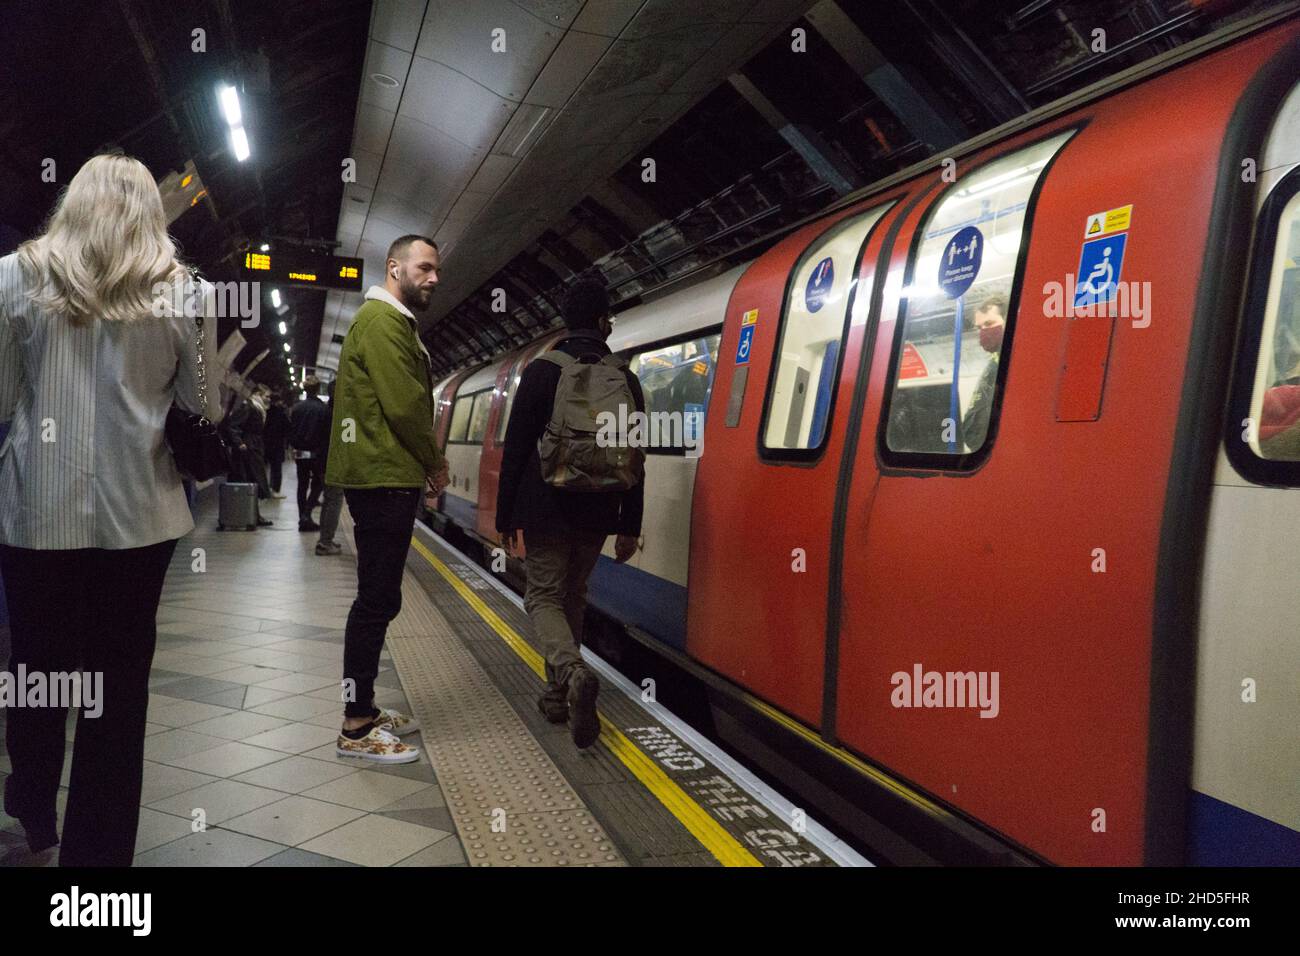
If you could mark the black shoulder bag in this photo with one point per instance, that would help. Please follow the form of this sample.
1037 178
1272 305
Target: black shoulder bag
195 443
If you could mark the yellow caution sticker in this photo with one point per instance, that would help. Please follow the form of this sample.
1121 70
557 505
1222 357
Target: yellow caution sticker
1112 220
750 318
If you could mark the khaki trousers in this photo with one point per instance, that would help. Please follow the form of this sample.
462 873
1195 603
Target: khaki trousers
556 597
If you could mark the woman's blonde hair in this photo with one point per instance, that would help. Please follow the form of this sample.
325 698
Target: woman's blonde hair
105 247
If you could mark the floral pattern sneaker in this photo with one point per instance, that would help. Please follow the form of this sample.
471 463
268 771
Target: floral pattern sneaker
395 722
378 745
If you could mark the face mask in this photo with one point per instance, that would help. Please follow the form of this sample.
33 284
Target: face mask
991 337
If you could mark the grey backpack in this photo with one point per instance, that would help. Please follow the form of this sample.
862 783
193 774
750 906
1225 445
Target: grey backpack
585 447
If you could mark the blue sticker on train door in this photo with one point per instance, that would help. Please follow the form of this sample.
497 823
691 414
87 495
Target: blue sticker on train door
746 342
1100 262
819 285
960 262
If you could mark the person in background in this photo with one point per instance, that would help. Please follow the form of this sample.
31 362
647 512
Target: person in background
93 355
564 531
275 437
382 452
309 433
243 431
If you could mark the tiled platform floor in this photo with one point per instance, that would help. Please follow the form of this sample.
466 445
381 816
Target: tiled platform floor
244 711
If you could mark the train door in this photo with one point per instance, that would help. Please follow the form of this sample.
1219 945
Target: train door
1003 535
1245 802
764 493
494 444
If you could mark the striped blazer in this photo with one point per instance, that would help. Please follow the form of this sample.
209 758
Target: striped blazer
84 464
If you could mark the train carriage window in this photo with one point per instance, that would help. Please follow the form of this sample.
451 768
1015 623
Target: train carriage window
676 380
956 310
478 417
814 321
512 383
1271 426
460 415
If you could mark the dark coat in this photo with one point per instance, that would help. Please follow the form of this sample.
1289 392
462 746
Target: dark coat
524 500
309 426
276 432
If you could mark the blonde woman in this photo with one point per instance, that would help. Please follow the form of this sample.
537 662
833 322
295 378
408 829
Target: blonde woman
91 503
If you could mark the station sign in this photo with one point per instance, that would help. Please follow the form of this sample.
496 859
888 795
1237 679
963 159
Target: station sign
305 269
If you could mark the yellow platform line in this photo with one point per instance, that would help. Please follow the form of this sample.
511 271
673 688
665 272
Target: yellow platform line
699 823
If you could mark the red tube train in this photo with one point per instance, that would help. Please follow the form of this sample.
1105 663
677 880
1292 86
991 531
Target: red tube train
996 499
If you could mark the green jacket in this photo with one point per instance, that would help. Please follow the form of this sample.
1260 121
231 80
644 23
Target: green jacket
382 434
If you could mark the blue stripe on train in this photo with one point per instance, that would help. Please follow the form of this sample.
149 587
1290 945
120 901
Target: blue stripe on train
1224 835
633 596
461 511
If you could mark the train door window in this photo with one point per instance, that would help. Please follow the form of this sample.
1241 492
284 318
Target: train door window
676 380
810 340
956 322
478 417
460 415
1270 428
512 383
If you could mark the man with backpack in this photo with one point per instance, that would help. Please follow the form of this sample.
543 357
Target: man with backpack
568 488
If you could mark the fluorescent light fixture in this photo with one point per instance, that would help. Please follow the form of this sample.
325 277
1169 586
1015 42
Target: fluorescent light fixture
275 300
239 141
266 247
230 105
286 346
284 329
1003 179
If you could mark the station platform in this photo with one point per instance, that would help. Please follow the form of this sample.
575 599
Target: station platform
244 711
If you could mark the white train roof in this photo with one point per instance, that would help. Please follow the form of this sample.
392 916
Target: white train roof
696 307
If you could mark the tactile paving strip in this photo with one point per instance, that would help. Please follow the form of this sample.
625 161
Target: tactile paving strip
510 804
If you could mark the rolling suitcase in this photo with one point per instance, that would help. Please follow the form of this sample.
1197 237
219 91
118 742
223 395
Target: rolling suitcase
237 507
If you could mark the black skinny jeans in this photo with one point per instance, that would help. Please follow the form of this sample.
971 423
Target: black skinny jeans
93 610
383 519
311 482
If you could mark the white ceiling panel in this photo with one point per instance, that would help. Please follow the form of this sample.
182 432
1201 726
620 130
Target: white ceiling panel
459 34
351 223
567 68
381 58
606 17
556 13
397 22
483 173
373 128
468 206
492 172
368 165
400 215
447 100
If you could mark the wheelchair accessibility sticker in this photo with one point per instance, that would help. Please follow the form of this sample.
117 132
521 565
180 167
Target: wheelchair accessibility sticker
1100 263
746 342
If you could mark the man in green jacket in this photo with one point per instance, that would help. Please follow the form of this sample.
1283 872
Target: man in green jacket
382 453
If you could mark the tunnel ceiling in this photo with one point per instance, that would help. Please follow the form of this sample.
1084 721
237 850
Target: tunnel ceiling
529 171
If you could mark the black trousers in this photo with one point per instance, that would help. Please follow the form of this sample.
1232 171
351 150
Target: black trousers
275 462
92 610
311 482
382 519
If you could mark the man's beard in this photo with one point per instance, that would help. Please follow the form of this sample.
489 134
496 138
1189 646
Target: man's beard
413 297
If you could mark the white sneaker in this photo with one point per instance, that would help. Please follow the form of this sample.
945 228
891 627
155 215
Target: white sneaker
378 745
